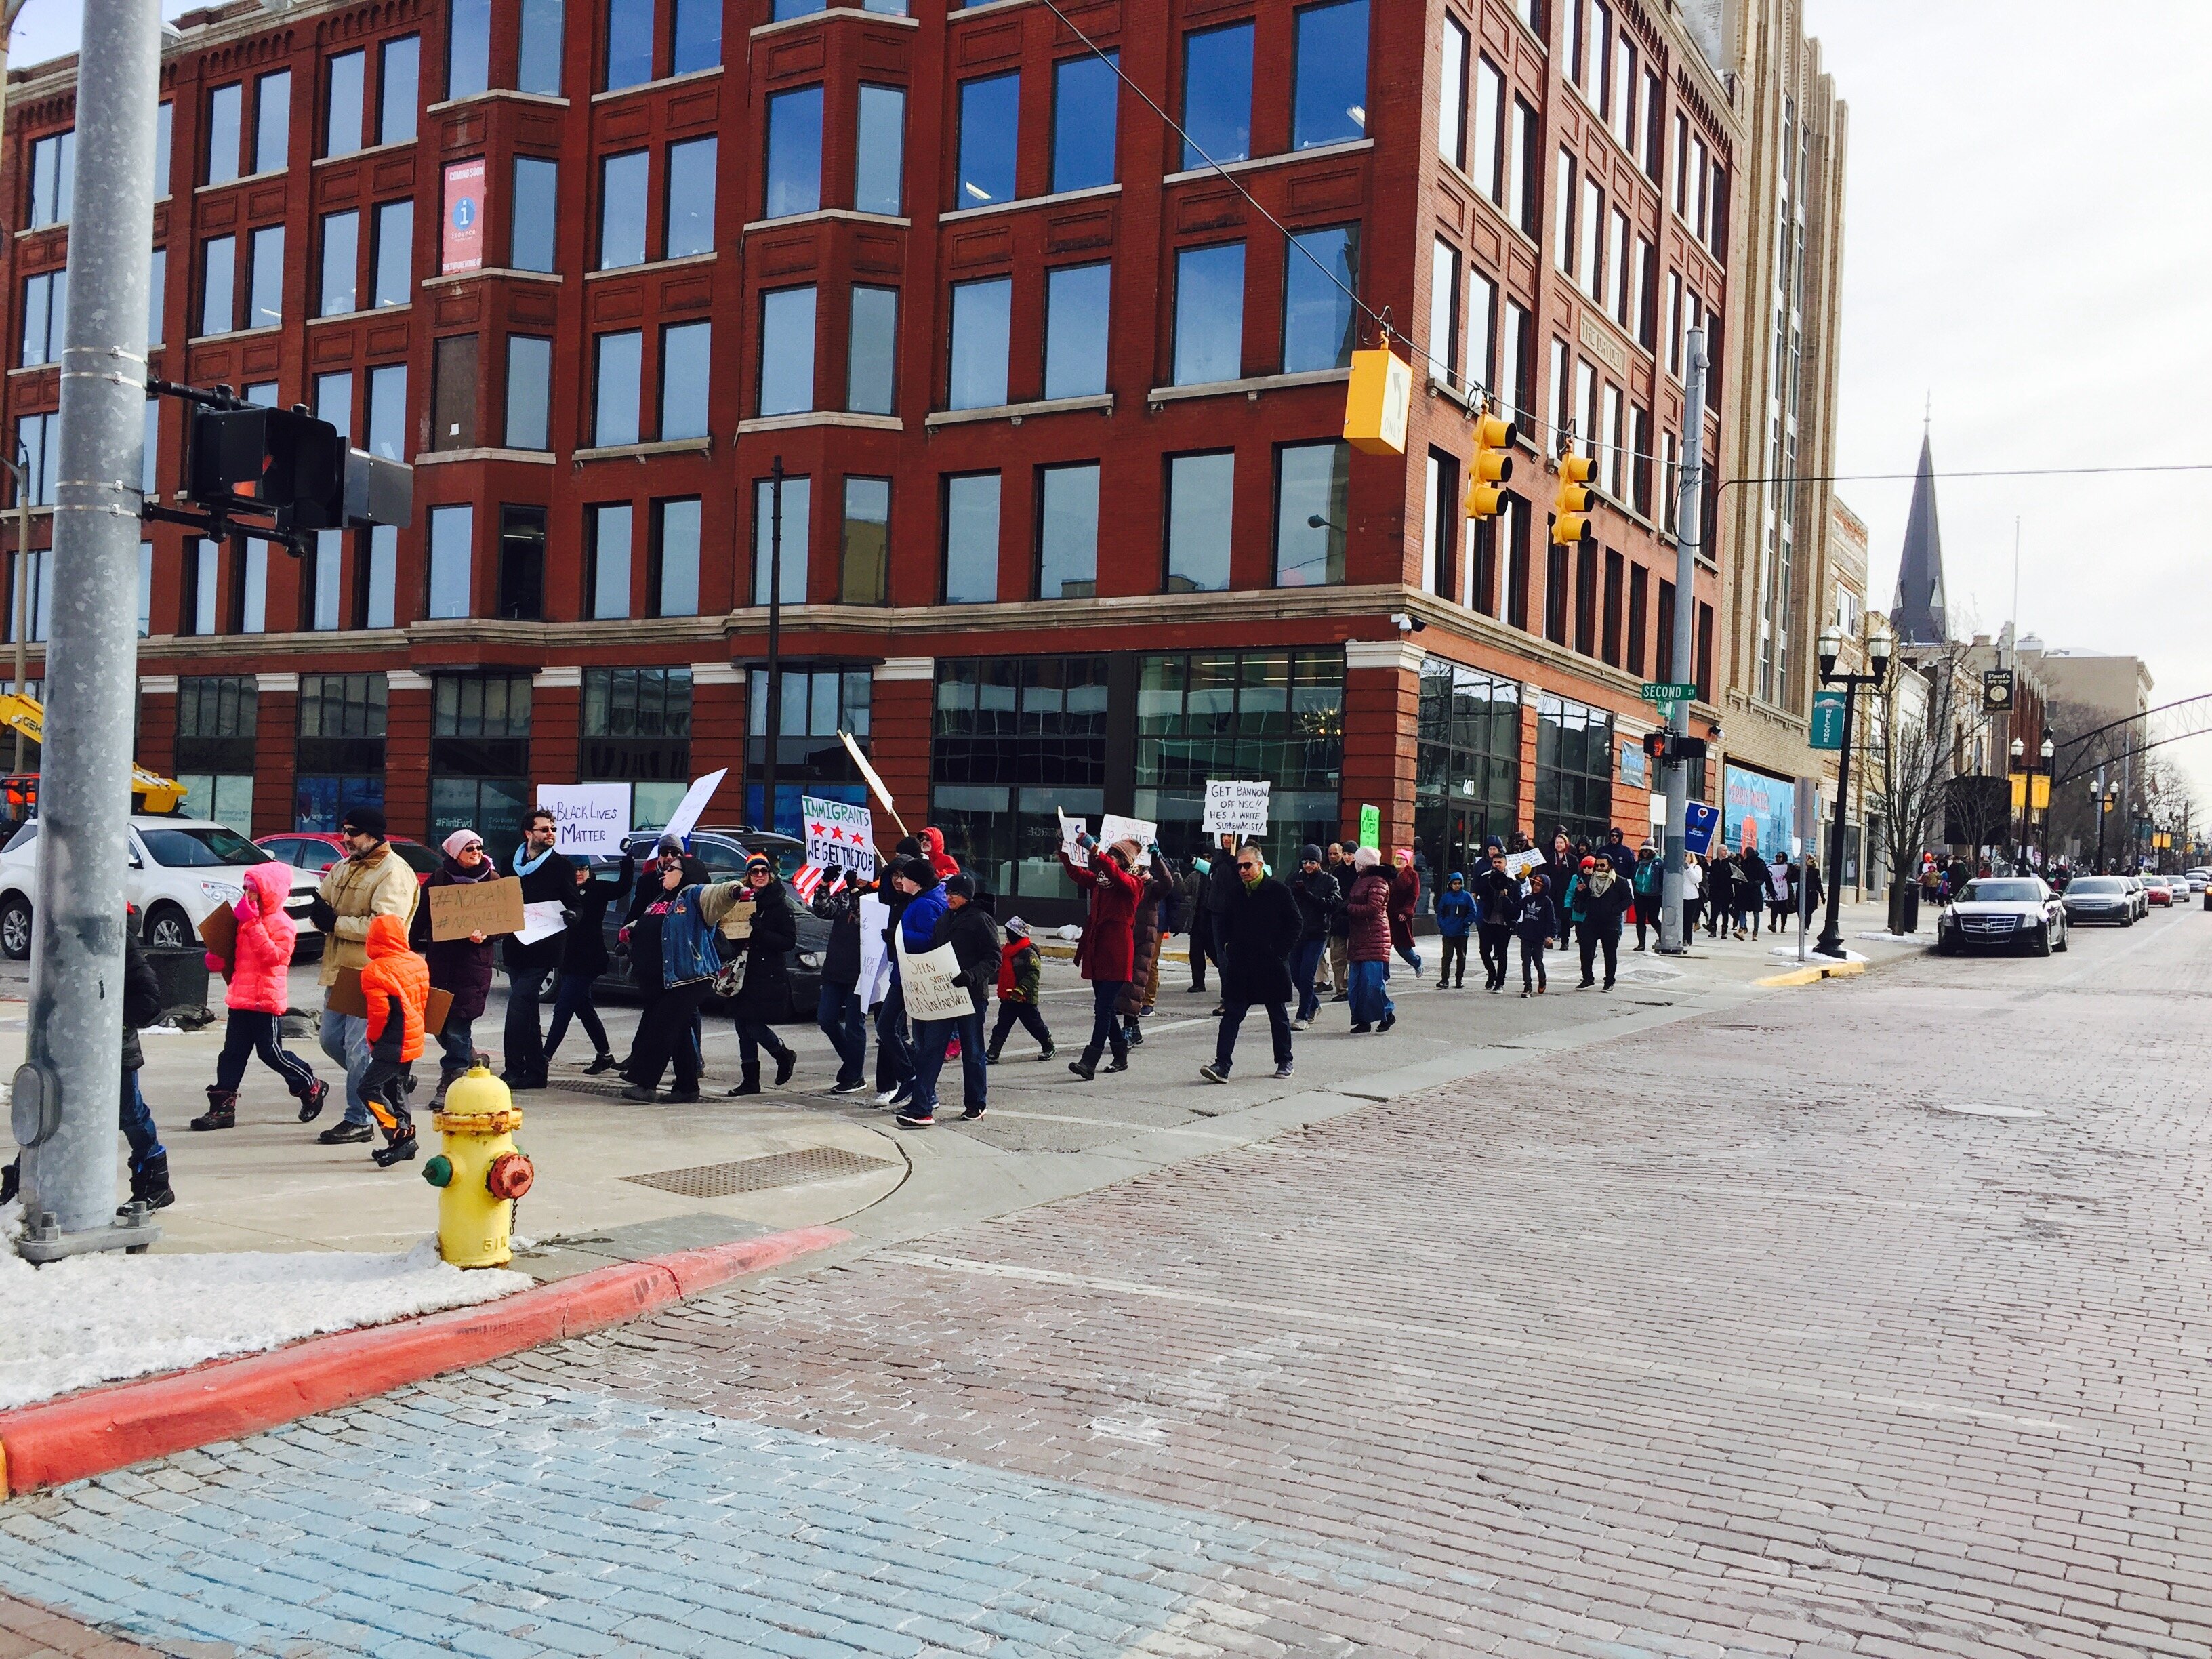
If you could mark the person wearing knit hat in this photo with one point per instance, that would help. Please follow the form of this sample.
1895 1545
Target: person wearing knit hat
1368 908
370 881
764 995
462 968
1318 896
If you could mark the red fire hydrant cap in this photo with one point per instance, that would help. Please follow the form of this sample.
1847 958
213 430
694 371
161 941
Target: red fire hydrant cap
510 1175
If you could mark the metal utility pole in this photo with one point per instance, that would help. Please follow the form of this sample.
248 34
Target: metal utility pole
773 719
1689 493
64 1103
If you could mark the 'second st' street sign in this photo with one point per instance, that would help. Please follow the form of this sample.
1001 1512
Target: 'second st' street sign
1663 692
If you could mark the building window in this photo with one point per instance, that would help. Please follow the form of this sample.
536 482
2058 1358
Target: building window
453 548
537 64
334 401
53 173
529 387
218 294
1209 321
1085 97
453 382
339 750
616 376
480 758
1201 502
971 538
698 43
468 48
1640 600
380 579
1068 531
1274 715
989 108
341 262
686 354
1321 275
1481 335
1014 742
395 253
218 717
690 216
1523 174
264 294
1329 74
347 88
39 436
203 575
816 704
157 286
872 350
37 596
222 135
1467 772
607 552
1493 153
1444 313
787 533
522 562
1609 629
46 317
672 582
787 351
630 44
981 318
794 151
1217 95
879 152
1586 599
1563 207
864 543
1588 227
1574 769
387 412
537 210
637 730
1312 483
1076 309
1451 100
621 210
399 77
324 578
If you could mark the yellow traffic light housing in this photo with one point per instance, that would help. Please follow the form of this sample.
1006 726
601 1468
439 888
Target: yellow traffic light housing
1491 467
1571 508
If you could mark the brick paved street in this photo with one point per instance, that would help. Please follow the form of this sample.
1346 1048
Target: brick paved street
1730 1335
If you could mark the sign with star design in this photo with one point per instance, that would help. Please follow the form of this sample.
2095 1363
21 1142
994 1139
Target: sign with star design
839 835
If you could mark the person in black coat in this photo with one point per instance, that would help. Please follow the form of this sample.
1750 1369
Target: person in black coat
765 994
1260 928
1601 900
459 967
974 936
1318 899
838 1009
584 959
547 878
1496 909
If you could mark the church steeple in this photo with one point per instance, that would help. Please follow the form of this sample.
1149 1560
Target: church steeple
1918 614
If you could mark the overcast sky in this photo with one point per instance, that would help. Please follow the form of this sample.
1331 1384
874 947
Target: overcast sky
2017 247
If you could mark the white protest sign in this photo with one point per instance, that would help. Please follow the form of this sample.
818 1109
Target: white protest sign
589 819
875 961
1069 830
540 920
1519 865
694 803
1114 826
1236 806
839 835
926 979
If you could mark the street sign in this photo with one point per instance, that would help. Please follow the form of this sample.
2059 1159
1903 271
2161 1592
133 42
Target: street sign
1828 719
1662 692
1996 689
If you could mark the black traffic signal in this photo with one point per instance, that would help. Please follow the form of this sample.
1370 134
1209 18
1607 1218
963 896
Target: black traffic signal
1664 746
286 463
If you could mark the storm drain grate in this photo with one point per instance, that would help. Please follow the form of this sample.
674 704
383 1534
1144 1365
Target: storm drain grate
754 1175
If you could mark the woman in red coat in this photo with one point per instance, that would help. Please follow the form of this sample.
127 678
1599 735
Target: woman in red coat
1404 905
1107 954
1368 908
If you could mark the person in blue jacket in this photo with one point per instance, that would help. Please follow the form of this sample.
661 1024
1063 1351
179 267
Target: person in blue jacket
1455 909
1538 926
674 959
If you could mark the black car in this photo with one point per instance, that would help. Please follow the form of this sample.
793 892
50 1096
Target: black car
2100 898
724 852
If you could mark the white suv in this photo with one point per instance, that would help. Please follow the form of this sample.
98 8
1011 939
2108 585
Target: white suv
180 870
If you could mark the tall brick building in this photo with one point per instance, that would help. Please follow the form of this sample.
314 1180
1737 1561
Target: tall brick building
1066 520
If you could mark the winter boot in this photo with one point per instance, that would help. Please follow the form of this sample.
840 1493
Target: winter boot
784 1062
601 1062
398 1145
221 1112
311 1101
748 1081
150 1184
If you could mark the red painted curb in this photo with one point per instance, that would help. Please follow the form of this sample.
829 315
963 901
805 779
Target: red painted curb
107 1429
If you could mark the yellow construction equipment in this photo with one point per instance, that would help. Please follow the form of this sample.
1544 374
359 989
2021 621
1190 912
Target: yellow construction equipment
151 793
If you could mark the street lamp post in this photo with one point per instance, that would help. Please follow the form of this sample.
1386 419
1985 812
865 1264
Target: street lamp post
2021 763
1831 942
2103 796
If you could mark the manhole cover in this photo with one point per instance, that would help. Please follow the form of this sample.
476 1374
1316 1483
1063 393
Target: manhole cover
754 1175
1983 1109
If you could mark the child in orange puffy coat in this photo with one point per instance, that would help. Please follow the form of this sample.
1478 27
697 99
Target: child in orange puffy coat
395 985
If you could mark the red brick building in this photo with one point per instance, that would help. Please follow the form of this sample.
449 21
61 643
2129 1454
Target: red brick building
1066 522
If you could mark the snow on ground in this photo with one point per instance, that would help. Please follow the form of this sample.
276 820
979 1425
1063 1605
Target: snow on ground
1814 958
96 1319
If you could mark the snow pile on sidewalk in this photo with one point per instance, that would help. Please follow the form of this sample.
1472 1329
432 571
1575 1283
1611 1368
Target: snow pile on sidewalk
96 1319
1893 938
1814 958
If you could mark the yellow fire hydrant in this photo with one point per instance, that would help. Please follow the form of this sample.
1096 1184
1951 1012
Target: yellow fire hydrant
479 1175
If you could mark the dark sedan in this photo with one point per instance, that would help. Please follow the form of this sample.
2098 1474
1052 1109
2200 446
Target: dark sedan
2100 898
724 852
1998 913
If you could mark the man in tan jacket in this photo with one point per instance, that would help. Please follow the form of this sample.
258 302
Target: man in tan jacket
370 881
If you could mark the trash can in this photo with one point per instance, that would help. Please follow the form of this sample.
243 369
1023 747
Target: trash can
181 971
1907 908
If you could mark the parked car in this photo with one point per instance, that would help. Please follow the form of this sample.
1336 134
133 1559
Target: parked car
2003 913
2159 891
318 849
2197 879
2100 898
724 852
181 869
2138 897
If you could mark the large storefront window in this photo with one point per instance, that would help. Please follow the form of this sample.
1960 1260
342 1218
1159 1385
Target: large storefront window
637 730
817 702
1574 770
340 752
480 758
1272 714
1013 738
216 718
1467 785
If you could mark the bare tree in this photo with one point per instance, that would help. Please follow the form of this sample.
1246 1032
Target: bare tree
1909 757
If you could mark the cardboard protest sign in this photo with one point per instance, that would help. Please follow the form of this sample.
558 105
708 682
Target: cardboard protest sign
589 819
486 907
435 1010
839 835
219 932
926 980
344 995
1236 806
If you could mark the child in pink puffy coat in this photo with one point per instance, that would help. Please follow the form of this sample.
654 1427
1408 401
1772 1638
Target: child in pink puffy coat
257 999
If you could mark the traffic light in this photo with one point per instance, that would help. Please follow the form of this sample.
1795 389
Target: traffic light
1491 467
1655 745
1571 508
285 463
1665 745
